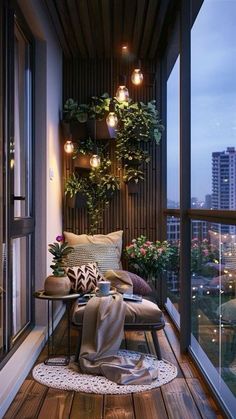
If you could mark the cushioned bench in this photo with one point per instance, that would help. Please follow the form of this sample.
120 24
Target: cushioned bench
145 316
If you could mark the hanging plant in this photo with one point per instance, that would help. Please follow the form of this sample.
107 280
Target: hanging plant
138 125
98 189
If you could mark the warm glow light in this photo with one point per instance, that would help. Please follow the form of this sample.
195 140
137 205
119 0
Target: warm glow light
112 120
122 94
69 147
95 161
137 76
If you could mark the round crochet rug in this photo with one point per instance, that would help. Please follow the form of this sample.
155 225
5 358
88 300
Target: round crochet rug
69 378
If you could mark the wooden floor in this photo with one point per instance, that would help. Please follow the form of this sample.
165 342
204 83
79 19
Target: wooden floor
186 397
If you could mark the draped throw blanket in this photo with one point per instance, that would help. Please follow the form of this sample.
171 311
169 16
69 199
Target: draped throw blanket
103 328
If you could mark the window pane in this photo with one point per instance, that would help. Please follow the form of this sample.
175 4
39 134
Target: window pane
213 266
21 148
21 294
173 137
173 237
213 106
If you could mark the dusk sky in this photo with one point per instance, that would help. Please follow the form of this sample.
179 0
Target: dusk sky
213 84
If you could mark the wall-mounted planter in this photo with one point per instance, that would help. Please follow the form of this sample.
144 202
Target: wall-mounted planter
83 161
133 187
79 130
102 131
77 201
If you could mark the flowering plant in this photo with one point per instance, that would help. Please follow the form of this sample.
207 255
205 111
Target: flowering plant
203 253
60 250
147 258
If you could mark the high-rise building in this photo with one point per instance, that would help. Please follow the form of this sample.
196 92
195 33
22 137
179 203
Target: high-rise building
224 182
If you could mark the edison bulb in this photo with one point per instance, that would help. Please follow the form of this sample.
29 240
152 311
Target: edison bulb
137 76
122 94
95 161
112 120
69 147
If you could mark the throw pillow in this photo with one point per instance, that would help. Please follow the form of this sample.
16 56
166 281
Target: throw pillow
84 278
114 238
104 255
140 286
120 280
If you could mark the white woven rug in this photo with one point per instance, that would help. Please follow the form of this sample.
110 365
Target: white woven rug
69 377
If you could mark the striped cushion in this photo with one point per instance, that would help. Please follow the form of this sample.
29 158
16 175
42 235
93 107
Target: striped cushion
84 278
104 255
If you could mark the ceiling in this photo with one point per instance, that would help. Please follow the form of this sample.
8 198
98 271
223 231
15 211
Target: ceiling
98 28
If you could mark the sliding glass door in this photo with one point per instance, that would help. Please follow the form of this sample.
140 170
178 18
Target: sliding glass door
18 180
200 108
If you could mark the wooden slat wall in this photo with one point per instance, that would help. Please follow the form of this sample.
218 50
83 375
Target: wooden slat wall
134 214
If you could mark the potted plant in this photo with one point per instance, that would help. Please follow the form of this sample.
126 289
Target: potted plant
58 283
132 178
75 190
96 189
75 119
147 258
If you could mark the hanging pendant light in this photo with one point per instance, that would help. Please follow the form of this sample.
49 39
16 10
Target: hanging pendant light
137 76
112 120
122 94
69 146
95 161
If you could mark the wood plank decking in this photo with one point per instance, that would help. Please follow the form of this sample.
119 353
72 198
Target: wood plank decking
186 397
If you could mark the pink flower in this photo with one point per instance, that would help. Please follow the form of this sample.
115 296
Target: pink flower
130 246
205 252
60 238
132 255
143 251
148 243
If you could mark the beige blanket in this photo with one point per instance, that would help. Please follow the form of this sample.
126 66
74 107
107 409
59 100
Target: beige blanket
103 328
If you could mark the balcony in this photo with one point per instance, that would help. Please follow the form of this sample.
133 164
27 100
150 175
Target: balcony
63 70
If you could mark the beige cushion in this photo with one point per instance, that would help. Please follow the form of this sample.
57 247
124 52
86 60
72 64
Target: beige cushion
145 312
123 283
111 238
104 255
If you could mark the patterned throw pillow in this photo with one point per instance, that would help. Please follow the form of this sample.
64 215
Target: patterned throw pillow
84 278
104 255
114 238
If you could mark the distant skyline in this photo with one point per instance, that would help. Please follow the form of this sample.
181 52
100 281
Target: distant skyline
213 107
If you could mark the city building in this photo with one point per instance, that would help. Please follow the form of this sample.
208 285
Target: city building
224 182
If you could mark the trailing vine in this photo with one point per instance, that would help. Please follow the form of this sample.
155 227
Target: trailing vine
138 125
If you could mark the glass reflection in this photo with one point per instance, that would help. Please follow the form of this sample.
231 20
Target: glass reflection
213 280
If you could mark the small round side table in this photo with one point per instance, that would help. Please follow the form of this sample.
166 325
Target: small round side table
67 299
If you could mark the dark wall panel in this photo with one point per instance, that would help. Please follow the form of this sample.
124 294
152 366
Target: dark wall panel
134 214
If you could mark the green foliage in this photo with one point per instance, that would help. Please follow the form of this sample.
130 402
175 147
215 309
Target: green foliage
133 174
60 251
98 188
97 108
147 258
84 146
138 125
74 112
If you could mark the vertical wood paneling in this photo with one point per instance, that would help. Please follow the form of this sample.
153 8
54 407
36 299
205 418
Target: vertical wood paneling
135 214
